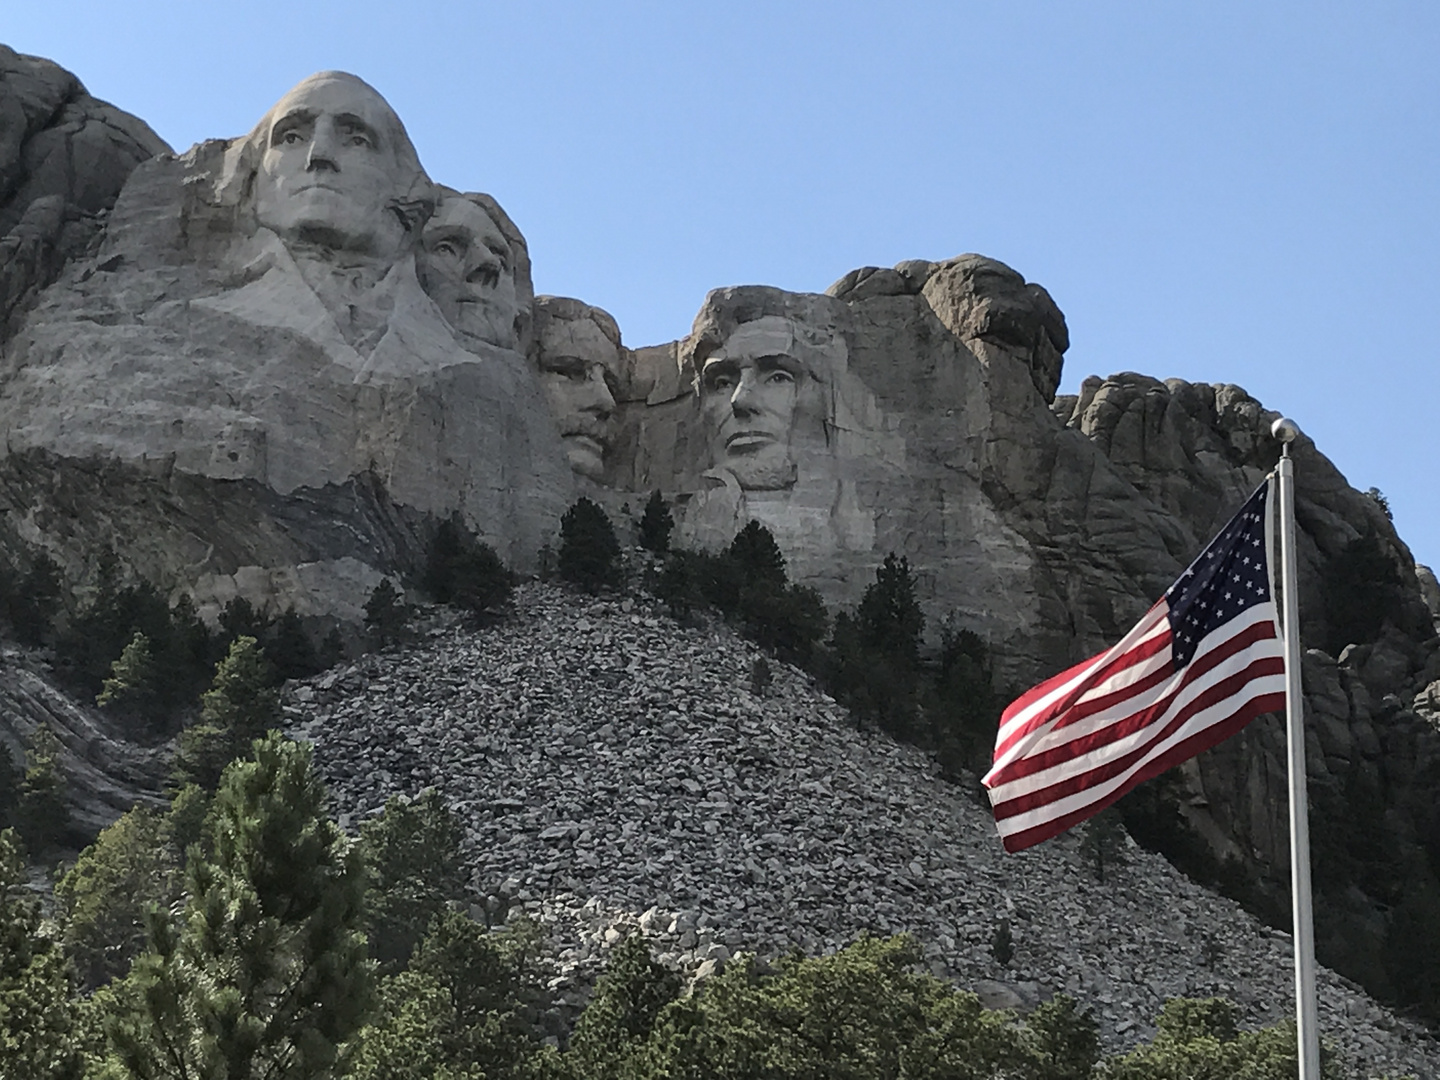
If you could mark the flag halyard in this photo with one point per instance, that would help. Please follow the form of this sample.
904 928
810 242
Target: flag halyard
1201 663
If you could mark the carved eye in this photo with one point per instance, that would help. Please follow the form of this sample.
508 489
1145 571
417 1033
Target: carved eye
292 138
779 377
447 247
719 382
357 139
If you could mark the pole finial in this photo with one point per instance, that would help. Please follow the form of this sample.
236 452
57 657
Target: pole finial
1285 430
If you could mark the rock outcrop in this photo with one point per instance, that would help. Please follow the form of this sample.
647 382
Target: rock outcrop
64 157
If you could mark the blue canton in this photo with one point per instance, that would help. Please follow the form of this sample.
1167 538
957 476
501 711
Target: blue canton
1229 576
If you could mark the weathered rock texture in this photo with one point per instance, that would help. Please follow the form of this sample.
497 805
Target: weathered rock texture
613 771
64 157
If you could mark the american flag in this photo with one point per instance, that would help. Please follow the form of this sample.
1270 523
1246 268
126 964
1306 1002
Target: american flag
1202 663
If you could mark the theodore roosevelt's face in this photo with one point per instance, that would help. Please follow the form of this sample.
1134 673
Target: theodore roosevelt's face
328 173
748 393
468 269
580 371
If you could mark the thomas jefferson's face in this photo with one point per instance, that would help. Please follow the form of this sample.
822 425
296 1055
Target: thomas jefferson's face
748 392
580 372
327 174
467 268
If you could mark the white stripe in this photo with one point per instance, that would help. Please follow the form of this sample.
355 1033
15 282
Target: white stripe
1120 710
1108 751
1217 713
1154 623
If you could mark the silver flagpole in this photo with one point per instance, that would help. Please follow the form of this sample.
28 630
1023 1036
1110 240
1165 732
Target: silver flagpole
1306 1021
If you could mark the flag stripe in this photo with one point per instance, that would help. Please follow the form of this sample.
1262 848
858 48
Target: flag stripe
1135 711
1017 839
1203 662
1112 758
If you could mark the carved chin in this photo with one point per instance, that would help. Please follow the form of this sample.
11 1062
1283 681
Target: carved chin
587 457
770 470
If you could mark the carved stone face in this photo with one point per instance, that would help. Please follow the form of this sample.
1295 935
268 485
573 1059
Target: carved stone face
467 267
749 389
329 171
580 373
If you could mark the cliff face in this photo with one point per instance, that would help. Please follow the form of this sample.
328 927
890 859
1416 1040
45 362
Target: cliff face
249 383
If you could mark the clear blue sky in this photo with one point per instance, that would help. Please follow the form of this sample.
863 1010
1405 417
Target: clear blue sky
1220 191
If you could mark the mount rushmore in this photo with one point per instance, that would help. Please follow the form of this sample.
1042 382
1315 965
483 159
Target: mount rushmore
269 366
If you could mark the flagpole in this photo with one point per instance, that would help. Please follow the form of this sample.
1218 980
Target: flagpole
1306 1021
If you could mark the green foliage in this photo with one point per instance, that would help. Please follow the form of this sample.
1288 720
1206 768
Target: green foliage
386 615
240 706
240 619
874 661
413 850
42 817
1198 1040
589 553
477 988
1002 943
130 866
32 603
757 557
463 572
292 653
656 524
132 684
861 1014
266 972
622 1012
962 709
39 1032
10 778
1379 498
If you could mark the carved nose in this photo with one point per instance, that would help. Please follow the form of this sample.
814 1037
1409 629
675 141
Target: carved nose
322 150
742 401
602 402
485 272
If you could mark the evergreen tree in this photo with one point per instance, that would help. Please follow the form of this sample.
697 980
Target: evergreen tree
413 850
240 619
462 571
758 557
131 685
656 524
622 1012
38 1016
874 664
962 709
386 615
130 866
290 648
10 778
31 607
42 817
589 551
240 706
889 617
266 973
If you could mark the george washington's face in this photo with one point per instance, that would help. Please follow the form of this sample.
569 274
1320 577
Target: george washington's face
749 389
329 172
468 269
579 371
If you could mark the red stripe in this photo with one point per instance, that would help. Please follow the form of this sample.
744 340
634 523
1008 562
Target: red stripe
1137 654
1232 686
1182 751
1076 748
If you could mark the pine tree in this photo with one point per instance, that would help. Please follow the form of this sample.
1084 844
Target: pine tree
290 647
462 571
31 607
385 615
656 524
889 617
131 685
413 850
758 557
589 550
240 706
266 974
240 619
38 1036
42 817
